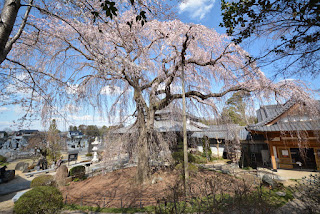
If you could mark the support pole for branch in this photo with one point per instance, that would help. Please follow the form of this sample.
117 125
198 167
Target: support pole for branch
185 142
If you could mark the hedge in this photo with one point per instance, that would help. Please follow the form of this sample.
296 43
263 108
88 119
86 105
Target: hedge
41 199
43 180
78 172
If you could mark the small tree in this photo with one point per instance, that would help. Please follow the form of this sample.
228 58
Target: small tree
48 143
53 141
92 131
235 110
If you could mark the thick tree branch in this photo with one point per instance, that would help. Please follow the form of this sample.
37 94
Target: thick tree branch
21 28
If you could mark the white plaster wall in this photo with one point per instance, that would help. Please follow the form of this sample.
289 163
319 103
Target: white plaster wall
199 148
213 148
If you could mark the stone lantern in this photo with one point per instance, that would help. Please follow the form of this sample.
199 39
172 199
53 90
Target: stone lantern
95 149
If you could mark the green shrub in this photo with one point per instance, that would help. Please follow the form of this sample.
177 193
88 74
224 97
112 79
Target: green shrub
207 153
89 154
42 199
43 180
3 159
199 159
193 169
178 157
78 172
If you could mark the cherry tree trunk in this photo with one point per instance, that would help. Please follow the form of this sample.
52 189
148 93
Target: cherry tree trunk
145 121
143 157
8 17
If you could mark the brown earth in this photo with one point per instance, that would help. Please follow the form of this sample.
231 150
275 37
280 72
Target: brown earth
119 189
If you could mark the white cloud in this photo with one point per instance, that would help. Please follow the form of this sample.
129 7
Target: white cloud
174 88
19 89
3 109
19 109
111 90
83 117
70 108
196 8
5 123
72 88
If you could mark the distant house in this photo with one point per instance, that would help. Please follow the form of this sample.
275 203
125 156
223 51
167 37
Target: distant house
3 138
291 133
3 134
19 139
76 139
168 123
168 120
75 134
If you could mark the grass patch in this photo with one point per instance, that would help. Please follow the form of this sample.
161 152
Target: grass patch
4 164
260 199
296 180
148 209
247 168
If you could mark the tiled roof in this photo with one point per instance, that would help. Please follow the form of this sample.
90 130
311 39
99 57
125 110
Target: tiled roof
225 131
288 126
161 126
269 113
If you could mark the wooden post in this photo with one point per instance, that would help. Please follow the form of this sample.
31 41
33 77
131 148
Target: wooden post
273 159
185 141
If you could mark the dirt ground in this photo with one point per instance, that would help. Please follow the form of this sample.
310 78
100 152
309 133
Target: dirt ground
6 204
119 189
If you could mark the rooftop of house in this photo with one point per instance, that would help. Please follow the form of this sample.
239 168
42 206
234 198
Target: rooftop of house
75 133
223 132
168 125
28 131
274 118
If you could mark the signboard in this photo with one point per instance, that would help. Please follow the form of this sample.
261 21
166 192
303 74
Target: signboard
285 153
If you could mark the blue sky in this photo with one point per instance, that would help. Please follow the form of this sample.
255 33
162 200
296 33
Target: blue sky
206 12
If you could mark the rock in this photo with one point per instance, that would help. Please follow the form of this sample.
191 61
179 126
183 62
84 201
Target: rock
61 175
8 175
22 166
218 165
225 169
267 179
282 194
154 181
234 166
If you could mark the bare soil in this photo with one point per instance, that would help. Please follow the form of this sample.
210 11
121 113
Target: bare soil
119 189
